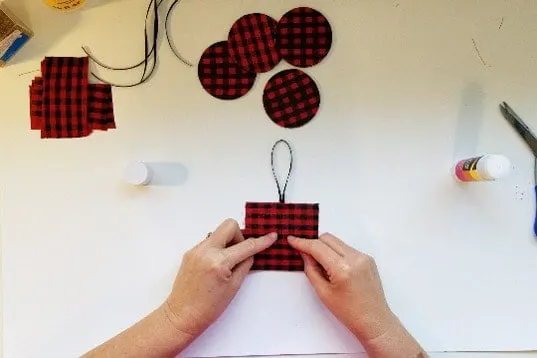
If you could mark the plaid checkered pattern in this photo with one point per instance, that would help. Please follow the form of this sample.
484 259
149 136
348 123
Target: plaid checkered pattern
65 97
291 98
220 76
100 107
252 43
36 103
300 220
304 37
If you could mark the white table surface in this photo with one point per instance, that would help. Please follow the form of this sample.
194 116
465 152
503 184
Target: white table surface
62 34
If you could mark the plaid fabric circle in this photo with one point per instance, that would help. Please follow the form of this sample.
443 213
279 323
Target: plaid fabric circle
304 37
291 98
220 76
252 43
300 220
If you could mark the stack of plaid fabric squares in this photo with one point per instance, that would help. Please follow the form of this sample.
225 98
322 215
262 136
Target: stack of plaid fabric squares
63 104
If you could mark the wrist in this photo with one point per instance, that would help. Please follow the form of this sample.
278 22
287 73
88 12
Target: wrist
173 324
395 340
370 327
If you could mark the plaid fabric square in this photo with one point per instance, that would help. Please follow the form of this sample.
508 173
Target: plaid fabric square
304 37
220 76
291 98
252 43
65 97
36 103
100 106
300 220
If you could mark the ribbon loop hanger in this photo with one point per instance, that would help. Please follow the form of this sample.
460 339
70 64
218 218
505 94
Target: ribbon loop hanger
281 191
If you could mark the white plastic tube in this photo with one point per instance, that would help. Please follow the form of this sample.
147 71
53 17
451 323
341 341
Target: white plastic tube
484 168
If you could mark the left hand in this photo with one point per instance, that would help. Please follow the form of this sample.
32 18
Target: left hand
210 275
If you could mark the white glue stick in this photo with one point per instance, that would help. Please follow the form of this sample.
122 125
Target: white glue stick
138 173
484 168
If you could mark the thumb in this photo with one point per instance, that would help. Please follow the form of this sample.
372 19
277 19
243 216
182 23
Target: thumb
314 273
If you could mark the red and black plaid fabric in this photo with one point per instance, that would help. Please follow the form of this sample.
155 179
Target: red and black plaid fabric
252 43
291 98
65 97
304 37
36 103
100 106
220 76
300 220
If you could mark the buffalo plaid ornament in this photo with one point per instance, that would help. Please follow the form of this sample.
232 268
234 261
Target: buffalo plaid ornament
291 98
304 37
299 220
252 43
220 76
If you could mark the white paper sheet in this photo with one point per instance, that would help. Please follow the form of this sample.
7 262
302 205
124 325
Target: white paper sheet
403 96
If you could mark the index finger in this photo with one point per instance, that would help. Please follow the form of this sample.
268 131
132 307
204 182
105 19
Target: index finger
321 252
243 250
227 232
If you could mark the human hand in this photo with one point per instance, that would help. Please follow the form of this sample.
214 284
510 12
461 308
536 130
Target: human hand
348 283
210 275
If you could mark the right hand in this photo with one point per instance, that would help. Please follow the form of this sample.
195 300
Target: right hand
348 283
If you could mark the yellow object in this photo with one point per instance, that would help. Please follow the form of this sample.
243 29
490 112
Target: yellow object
65 5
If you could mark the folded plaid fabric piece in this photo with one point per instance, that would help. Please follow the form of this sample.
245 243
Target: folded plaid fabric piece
300 220
64 105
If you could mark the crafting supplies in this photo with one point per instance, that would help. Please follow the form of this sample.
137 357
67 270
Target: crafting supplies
299 220
527 135
256 43
484 168
64 105
65 5
138 173
13 34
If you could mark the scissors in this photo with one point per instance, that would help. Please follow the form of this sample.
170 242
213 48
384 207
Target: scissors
518 124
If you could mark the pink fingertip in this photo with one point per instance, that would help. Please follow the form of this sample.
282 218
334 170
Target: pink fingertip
273 235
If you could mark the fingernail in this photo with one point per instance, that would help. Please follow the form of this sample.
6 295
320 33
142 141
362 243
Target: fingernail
291 238
273 235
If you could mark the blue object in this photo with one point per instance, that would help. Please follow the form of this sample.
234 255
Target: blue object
17 44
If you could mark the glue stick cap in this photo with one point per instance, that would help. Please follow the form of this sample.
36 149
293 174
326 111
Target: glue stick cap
137 173
494 166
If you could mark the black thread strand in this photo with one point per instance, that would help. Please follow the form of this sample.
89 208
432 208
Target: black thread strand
146 51
281 193
150 54
131 67
168 37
